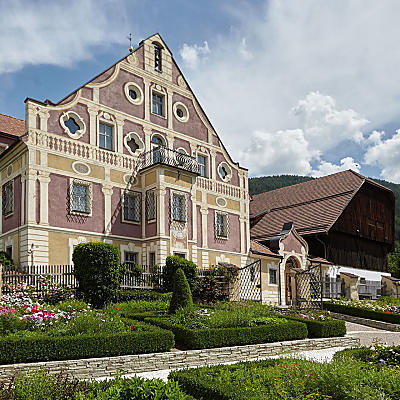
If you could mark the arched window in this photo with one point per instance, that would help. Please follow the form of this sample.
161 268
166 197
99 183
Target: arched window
157 57
158 149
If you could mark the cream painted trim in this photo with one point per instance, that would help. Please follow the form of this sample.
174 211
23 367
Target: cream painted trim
138 90
78 120
72 242
228 169
108 80
138 140
75 163
182 107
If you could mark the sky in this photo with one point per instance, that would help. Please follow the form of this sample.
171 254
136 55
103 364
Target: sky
306 87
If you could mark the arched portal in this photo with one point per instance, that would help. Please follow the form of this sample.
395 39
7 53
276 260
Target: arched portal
292 265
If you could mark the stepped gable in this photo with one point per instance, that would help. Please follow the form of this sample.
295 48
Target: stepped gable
12 126
313 206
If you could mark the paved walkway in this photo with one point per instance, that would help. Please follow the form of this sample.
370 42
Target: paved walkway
368 336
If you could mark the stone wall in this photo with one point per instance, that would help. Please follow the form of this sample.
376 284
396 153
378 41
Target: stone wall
386 326
108 366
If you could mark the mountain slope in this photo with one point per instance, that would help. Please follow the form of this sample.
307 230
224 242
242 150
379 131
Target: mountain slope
267 183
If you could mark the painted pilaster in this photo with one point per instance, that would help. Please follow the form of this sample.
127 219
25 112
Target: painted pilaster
120 134
44 116
204 213
194 211
161 193
242 221
170 140
44 180
23 202
147 100
213 168
169 106
93 125
162 252
31 196
31 111
147 138
204 259
144 221
107 191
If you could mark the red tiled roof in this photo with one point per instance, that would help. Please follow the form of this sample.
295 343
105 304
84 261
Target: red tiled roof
11 125
313 206
261 249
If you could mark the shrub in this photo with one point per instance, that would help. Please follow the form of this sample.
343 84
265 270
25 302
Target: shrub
6 261
181 294
143 338
394 262
98 271
213 285
363 312
124 295
172 264
204 338
378 355
290 379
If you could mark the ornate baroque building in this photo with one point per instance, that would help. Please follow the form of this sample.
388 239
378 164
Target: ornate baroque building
129 158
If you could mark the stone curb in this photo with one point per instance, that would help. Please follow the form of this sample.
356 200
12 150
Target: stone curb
108 366
386 326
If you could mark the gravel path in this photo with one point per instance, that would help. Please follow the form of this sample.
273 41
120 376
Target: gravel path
368 336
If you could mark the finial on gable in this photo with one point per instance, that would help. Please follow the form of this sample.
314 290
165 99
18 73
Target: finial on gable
130 43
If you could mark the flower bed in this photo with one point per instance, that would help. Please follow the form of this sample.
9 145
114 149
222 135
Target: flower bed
40 385
369 309
228 326
30 331
290 379
319 324
375 355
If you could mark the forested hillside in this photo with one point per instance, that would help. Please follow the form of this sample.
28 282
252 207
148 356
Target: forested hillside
266 183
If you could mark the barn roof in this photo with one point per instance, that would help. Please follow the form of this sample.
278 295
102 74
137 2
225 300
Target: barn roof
258 248
12 126
313 206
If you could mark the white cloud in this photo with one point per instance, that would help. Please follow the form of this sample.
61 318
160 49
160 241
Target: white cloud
345 49
56 33
326 168
193 54
386 155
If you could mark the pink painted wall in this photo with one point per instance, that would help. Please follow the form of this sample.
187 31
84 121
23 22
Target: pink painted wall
13 221
59 214
194 127
233 241
117 226
113 95
151 229
292 243
104 76
182 143
87 93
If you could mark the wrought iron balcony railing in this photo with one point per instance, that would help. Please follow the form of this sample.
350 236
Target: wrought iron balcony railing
172 158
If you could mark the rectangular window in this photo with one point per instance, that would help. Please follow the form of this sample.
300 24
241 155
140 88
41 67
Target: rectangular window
158 104
152 259
150 205
105 136
202 162
9 251
131 259
180 255
221 225
179 207
272 276
132 206
8 198
80 197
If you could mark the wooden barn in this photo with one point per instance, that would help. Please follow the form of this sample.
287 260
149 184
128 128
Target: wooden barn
345 218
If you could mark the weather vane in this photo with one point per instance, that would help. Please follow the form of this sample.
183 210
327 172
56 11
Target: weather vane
130 42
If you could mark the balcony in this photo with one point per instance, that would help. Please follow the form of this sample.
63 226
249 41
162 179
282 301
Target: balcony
164 156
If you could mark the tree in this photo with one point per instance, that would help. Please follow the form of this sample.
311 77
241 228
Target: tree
394 263
181 294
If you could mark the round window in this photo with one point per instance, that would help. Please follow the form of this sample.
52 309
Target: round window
179 113
133 93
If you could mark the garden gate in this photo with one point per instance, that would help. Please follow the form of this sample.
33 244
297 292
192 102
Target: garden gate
309 288
250 282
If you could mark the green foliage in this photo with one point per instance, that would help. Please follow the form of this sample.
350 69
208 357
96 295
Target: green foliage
213 286
290 379
394 263
6 260
378 355
141 309
135 388
141 294
98 271
204 338
142 338
181 294
10 324
363 313
172 264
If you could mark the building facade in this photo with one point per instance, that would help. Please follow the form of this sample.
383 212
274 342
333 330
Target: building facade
129 158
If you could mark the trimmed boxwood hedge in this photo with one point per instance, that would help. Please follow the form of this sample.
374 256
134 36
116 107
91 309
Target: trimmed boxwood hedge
49 348
204 338
321 329
361 354
363 313
140 294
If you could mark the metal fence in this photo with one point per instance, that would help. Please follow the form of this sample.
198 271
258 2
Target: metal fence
149 278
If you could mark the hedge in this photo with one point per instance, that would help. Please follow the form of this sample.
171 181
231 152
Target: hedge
204 338
140 294
361 354
321 329
362 312
50 348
